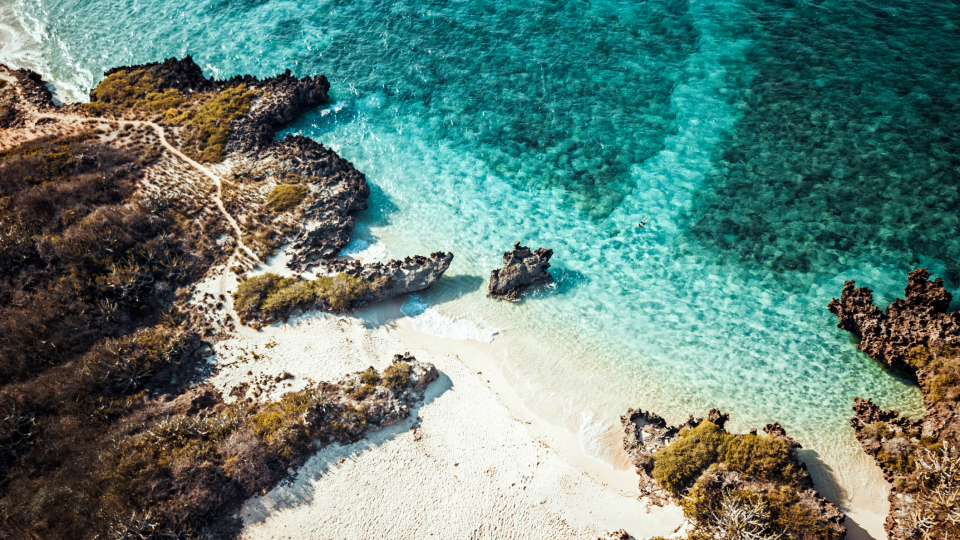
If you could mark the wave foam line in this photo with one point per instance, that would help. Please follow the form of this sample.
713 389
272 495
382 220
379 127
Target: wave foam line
432 322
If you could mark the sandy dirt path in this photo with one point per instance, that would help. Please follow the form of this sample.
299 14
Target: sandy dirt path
217 198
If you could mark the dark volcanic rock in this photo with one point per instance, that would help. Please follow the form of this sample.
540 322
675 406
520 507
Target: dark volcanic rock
918 320
341 190
10 116
521 269
284 98
868 416
33 89
390 279
176 74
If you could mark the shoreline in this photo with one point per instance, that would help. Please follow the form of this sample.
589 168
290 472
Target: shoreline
586 495
607 498
867 524
603 500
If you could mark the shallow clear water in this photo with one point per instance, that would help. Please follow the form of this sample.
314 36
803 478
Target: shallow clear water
779 147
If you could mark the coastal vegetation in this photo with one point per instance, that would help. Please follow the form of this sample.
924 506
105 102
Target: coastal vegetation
273 297
88 270
706 445
205 129
286 196
203 119
106 430
136 89
183 470
734 486
79 257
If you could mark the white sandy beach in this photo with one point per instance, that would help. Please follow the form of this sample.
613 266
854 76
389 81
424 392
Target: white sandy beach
464 465
470 462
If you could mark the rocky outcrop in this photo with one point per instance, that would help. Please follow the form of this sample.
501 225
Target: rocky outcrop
337 187
10 116
918 336
918 320
646 434
387 405
521 269
33 90
283 99
886 437
408 275
176 74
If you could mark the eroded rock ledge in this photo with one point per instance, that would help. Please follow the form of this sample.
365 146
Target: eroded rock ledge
701 462
408 275
918 336
521 269
919 319
268 298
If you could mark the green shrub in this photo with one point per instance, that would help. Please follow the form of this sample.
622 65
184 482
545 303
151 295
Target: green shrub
918 356
783 510
788 514
341 291
397 375
361 392
274 296
877 431
767 458
206 128
253 291
286 196
370 376
293 295
136 89
945 386
684 459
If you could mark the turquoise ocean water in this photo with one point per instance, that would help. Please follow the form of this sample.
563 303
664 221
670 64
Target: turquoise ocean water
779 147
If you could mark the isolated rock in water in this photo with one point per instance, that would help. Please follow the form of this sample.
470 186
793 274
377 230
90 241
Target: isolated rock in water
920 319
521 268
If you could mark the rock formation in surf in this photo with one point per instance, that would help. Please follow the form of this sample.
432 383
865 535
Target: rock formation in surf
918 320
918 336
521 269
715 474
268 298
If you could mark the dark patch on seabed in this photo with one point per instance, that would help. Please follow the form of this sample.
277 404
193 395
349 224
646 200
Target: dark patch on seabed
565 95
848 148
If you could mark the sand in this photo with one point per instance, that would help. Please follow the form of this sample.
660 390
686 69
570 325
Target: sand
468 463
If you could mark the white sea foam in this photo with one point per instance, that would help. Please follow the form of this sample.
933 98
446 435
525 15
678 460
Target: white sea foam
18 49
335 108
590 436
21 38
430 321
365 251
